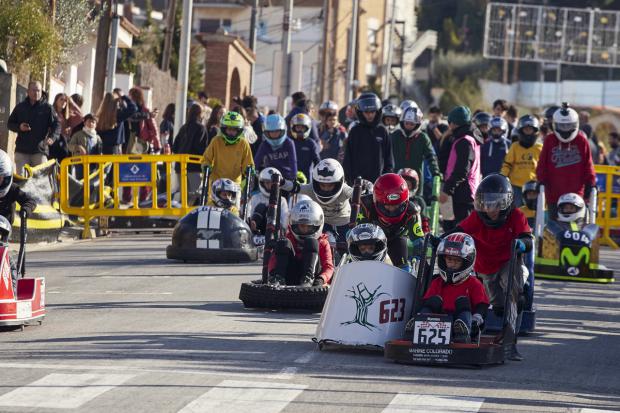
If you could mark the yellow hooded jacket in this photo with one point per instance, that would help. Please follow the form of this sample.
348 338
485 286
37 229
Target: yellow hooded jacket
520 163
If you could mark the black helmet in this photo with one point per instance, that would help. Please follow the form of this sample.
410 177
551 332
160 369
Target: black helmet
480 120
531 121
494 193
368 234
530 186
368 102
547 125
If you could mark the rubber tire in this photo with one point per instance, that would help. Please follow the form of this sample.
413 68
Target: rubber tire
255 295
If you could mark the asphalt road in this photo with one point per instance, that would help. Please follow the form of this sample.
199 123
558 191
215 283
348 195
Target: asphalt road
129 331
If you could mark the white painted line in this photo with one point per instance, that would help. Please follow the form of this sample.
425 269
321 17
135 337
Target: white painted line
203 220
231 396
286 373
427 403
597 411
202 243
214 218
63 391
306 358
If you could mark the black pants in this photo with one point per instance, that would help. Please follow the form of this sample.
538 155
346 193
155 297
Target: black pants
397 251
461 210
297 271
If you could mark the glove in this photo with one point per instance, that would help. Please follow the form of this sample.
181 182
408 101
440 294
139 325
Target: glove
318 282
434 240
520 245
477 319
588 191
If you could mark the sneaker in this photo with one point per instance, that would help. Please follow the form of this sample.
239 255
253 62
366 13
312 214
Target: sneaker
308 281
460 332
276 279
514 353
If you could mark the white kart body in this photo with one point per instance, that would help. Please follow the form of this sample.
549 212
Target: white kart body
368 304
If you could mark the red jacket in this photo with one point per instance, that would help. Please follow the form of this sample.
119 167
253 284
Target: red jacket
325 256
565 167
471 288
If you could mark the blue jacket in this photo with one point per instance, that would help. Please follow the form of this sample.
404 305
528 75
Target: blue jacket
284 158
492 156
307 154
333 142
314 131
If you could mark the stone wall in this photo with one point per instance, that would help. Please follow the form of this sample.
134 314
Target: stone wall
162 85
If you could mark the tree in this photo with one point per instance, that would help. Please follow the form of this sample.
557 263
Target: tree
75 22
28 40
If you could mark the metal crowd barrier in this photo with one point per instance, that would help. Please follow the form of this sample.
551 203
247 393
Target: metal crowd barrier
608 217
98 193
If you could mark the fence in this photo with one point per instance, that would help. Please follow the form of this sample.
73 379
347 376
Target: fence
98 194
608 183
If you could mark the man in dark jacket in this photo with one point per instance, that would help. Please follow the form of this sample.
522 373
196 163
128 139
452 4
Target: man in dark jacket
36 126
368 151
463 168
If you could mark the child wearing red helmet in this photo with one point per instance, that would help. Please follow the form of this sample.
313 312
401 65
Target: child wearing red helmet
390 208
456 291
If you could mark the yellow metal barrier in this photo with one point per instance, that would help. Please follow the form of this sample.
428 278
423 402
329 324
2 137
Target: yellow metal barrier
608 183
133 171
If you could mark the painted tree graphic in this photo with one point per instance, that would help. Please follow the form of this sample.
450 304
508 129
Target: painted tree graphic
363 300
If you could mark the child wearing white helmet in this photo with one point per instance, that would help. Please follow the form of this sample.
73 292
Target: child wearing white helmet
571 209
304 256
259 203
225 194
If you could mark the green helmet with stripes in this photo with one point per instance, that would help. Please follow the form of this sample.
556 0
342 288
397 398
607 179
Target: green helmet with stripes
232 120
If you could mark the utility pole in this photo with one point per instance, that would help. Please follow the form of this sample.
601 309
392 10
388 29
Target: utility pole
169 35
253 29
103 34
388 66
352 55
327 8
110 81
286 55
186 33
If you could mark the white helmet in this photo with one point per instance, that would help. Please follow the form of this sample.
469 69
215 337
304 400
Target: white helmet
328 171
328 106
459 245
5 230
6 173
225 185
308 213
407 104
565 123
414 115
266 176
571 216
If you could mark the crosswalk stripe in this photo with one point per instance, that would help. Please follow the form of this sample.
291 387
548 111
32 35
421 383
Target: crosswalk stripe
234 396
63 391
427 403
598 411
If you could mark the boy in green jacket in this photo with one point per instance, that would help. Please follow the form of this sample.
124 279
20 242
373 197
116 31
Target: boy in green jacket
412 146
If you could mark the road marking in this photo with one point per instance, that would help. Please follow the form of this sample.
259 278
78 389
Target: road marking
423 403
63 391
597 411
232 396
286 373
306 358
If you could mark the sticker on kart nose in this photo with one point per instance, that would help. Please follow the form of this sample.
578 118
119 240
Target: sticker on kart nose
393 197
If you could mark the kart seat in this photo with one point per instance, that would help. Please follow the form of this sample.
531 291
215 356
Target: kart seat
25 288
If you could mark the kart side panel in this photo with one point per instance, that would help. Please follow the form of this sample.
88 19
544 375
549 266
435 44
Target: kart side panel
369 303
403 351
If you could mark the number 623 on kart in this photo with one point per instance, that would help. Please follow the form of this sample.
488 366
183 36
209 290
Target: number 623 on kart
432 329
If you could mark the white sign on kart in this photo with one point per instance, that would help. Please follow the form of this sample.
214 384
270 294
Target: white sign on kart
432 329
369 303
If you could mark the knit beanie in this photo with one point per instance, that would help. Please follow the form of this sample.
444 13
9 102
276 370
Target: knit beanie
460 115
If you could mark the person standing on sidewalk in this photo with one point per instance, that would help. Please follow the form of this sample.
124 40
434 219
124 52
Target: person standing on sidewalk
36 126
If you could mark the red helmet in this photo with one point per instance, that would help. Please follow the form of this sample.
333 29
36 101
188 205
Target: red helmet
410 176
391 197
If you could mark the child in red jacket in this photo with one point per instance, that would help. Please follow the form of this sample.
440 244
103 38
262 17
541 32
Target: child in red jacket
565 163
304 257
457 291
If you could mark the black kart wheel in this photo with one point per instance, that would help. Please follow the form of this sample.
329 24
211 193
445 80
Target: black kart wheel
258 295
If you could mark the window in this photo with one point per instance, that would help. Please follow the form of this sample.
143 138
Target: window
209 25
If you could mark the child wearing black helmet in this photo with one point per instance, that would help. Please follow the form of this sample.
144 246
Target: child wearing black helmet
456 291
530 199
493 226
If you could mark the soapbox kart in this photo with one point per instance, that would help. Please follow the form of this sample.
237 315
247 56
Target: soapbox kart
27 306
214 235
431 341
260 293
567 251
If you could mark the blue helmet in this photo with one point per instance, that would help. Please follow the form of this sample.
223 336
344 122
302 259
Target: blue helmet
275 123
498 128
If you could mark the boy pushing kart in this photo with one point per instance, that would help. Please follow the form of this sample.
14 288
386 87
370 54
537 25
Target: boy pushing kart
493 226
